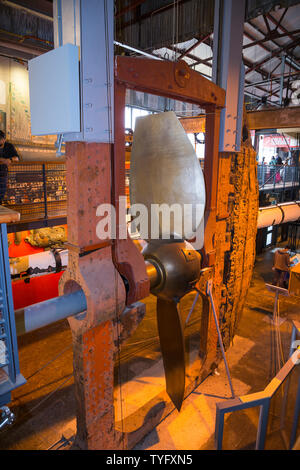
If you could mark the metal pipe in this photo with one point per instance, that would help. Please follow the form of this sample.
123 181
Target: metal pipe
281 78
139 51
209 287
38 264
7 417
292 62
279 214
44 313
50 311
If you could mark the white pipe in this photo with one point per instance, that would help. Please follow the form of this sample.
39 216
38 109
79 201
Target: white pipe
139 51
279 214
38 261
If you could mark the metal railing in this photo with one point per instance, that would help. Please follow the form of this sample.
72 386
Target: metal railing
37 190
271 177
262 399
278 184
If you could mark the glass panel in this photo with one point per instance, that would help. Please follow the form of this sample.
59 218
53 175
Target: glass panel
269 239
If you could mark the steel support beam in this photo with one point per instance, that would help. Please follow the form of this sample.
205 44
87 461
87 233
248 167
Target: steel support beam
282 78
273 53
185 53
79 24
279 25
278 118
96 335
269 37
228 69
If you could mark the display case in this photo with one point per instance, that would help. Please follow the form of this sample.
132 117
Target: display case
37 190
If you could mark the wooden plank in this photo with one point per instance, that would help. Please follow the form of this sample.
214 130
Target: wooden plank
193 125
7 215
172 80
277 118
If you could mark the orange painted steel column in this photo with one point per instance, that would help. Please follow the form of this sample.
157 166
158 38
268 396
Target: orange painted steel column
91 268
127 259
211 169
94 351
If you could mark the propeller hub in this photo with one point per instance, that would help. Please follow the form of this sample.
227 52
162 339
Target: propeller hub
177 265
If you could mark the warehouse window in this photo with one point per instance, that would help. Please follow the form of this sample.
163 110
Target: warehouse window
131 113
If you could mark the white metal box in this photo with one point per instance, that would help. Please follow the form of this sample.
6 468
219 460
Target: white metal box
54 91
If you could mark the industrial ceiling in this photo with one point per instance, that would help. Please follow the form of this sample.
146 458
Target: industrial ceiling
179 29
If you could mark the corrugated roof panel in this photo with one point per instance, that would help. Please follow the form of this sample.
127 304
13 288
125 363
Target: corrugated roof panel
194 21
195 17
255 8
202 68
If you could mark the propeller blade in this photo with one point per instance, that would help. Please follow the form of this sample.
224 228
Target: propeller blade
172 348
164 169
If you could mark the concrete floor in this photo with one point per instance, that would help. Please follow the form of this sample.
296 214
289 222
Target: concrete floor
45 406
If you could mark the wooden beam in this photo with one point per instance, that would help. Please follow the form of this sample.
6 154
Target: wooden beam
164 78
193 125
279 118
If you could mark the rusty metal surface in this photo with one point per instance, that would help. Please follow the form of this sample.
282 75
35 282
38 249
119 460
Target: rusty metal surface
90 170
126 258
211 169
94 350
158 77
274 118
97 431
88 178
193 124
88 185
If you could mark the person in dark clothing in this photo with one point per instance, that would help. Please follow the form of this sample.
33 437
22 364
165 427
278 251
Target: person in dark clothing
278 160
8 154
281 267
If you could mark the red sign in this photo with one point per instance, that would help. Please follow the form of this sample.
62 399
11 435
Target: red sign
276 141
